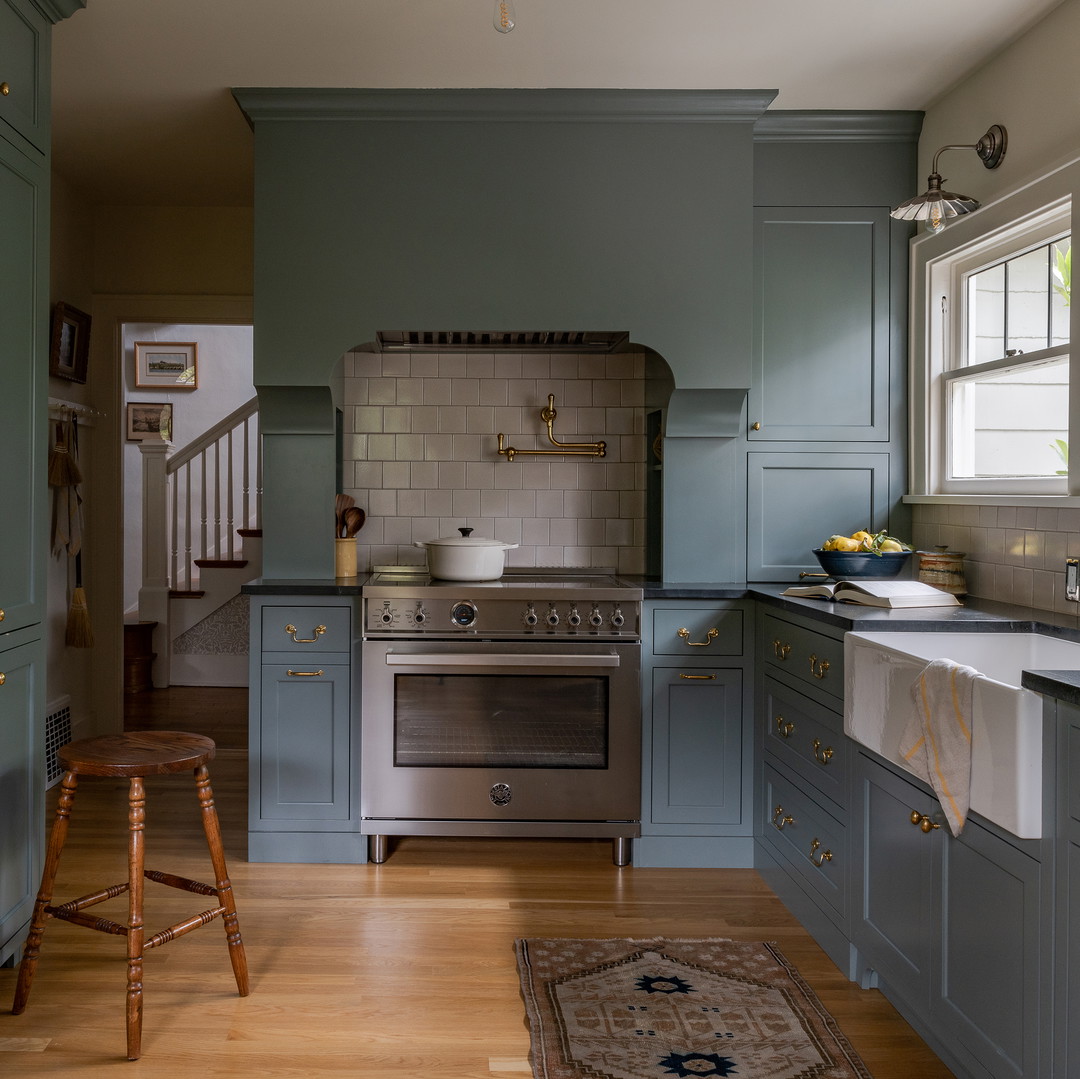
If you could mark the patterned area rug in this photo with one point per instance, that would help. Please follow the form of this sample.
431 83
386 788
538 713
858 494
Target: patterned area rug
652 1009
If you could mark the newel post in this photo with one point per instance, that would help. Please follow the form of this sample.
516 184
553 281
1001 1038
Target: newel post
154 591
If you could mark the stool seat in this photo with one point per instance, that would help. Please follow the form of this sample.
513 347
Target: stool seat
135 755
138 753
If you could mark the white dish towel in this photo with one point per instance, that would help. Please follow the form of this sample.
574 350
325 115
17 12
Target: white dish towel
937 741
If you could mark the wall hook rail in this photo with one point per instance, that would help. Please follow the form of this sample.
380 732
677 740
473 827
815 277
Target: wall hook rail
548 414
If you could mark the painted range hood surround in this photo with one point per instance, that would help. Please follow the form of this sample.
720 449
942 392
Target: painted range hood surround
498 208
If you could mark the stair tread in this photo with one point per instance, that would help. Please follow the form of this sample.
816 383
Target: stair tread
176 593
249 533
221 563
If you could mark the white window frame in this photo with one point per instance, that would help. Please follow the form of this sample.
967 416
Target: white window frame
1029 217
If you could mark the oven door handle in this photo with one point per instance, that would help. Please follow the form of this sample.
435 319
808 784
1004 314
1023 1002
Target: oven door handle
513 659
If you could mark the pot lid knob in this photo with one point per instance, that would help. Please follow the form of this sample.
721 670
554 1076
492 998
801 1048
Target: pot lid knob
466 532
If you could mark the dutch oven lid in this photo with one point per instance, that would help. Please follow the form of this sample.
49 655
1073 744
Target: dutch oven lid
466 539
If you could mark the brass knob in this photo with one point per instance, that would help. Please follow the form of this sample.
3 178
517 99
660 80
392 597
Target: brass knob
5 89
3 614
822 756
784 728
756 425
3 678
923 822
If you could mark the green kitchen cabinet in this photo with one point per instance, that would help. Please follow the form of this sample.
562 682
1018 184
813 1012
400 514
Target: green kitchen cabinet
25 33
956 929
304 730
1067 924
22 783
696 744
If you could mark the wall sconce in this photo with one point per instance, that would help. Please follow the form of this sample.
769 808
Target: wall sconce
936 206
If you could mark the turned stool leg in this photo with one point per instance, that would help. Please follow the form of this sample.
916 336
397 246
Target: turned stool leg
136 858
57 837
212 828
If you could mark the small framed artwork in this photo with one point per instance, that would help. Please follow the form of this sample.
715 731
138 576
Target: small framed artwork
69 350
149 419
166 365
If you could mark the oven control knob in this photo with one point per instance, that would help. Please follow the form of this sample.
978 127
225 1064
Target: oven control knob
463 614
530 618
420 616
552 618
387 615
573 618
500 794
596 619
618 619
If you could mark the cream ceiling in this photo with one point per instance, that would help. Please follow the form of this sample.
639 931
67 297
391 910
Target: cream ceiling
142 112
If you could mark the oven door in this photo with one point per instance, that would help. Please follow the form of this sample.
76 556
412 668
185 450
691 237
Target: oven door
545 731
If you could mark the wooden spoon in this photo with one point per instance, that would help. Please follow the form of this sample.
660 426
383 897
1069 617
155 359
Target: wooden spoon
352 518
341 504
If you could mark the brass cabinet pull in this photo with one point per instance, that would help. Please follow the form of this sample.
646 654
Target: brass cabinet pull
318 631
5 88
818 668
822 756
709 637
784 728
698 677
3 678
822 858
302 674
756 425
780 648
779 820
923 822
3 614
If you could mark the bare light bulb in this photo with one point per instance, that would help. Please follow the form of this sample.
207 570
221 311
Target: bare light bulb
503 18
936 221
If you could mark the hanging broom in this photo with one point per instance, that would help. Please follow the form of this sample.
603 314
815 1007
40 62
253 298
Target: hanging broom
79 633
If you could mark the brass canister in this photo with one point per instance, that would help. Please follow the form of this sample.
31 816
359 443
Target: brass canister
943 569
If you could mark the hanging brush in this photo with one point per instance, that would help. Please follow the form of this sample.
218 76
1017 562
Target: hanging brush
79 633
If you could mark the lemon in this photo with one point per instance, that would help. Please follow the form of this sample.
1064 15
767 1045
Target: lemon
863 537
840 543
888 545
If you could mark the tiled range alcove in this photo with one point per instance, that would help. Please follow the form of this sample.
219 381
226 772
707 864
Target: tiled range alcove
420 454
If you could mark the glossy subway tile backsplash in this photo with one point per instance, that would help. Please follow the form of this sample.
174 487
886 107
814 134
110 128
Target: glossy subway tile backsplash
421 455
1015 554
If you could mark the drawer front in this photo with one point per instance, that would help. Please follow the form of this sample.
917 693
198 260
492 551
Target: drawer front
697 633
811 657
809 839
306 629
809 739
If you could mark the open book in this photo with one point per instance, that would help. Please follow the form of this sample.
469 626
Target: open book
877 593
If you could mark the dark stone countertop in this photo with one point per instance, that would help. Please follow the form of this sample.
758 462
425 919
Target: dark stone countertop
331 586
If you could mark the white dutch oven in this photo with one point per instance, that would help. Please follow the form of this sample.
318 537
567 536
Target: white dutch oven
466 557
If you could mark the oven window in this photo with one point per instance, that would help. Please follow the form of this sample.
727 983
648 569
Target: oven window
507 721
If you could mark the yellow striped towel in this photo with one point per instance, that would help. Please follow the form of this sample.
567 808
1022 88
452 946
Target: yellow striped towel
937 741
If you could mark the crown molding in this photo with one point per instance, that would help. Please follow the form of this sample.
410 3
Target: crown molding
838 126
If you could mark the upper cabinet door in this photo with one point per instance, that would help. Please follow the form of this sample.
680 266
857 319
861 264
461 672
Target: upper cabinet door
24 87
821 325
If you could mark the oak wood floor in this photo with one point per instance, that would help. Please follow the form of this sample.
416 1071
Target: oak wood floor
403 969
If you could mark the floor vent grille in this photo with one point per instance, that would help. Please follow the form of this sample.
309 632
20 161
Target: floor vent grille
57 734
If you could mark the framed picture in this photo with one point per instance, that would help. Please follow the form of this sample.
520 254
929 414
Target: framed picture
149 419
166 365
69 349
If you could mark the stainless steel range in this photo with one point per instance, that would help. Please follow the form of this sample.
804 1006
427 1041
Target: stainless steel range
507 707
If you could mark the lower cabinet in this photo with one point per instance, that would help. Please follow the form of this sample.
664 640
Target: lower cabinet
696 744
956 928
304 765
1067 923
22 784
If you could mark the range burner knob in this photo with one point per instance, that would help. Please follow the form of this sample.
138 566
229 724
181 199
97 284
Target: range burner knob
552 618
596 619
618 619
420 615
387 615
530 618
573 618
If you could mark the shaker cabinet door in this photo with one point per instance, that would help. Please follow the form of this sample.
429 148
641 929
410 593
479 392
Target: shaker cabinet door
822 325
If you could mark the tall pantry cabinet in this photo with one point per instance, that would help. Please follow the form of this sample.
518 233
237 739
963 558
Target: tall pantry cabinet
25 28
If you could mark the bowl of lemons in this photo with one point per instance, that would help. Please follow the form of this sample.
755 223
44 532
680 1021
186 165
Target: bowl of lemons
863 554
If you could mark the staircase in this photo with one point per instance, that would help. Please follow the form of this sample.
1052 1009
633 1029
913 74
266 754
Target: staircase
202 540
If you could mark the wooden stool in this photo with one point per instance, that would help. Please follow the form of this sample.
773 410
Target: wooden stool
135 756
